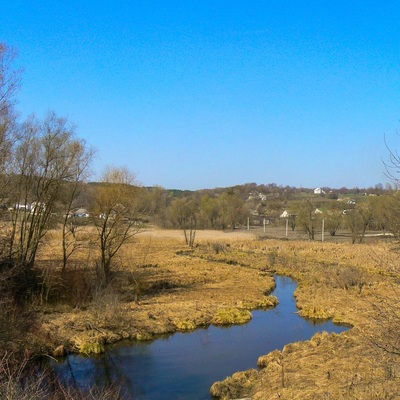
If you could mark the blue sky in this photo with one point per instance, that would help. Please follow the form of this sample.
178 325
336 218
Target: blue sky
203 94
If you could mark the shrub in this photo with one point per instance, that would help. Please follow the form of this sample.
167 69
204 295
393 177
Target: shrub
90 347
349 276
219 247
232 315
185 325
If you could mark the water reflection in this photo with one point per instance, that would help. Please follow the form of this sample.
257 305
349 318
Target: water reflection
185 365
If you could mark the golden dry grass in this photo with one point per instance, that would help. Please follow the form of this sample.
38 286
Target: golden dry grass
346 283
162 286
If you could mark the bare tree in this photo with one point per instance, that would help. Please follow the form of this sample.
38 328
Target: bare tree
392 165
157 200
71 190
232 207
354 223
10 79
185 213
358 217
387 309
45 159
392 206
308 219
115 215
334 219
211 211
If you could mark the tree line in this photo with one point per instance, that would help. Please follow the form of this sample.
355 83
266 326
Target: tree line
44 174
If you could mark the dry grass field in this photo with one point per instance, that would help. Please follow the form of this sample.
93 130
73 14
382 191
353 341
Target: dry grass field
161 286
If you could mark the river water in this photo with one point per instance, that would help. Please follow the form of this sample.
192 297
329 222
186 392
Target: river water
185 365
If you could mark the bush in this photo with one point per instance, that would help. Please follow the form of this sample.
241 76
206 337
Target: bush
16 321
232 315
348 277
219 247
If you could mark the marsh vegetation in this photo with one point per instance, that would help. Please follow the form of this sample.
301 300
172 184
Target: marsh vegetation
160 287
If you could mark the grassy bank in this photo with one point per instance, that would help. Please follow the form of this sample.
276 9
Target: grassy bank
161 286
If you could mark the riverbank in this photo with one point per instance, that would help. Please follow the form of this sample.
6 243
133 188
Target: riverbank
161 286
185 365
351 284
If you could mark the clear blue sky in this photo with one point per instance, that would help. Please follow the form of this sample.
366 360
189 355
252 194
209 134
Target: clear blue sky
202 94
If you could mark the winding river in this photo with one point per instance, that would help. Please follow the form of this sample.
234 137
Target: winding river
185 365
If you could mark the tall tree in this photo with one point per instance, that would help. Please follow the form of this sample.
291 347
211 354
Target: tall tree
232 207
10 79
185 213
211 211
389 212
334 219
307 218
45 159
115 215
71 191
358 217
157 202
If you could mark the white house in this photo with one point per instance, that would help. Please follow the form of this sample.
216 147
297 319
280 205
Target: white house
319 191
